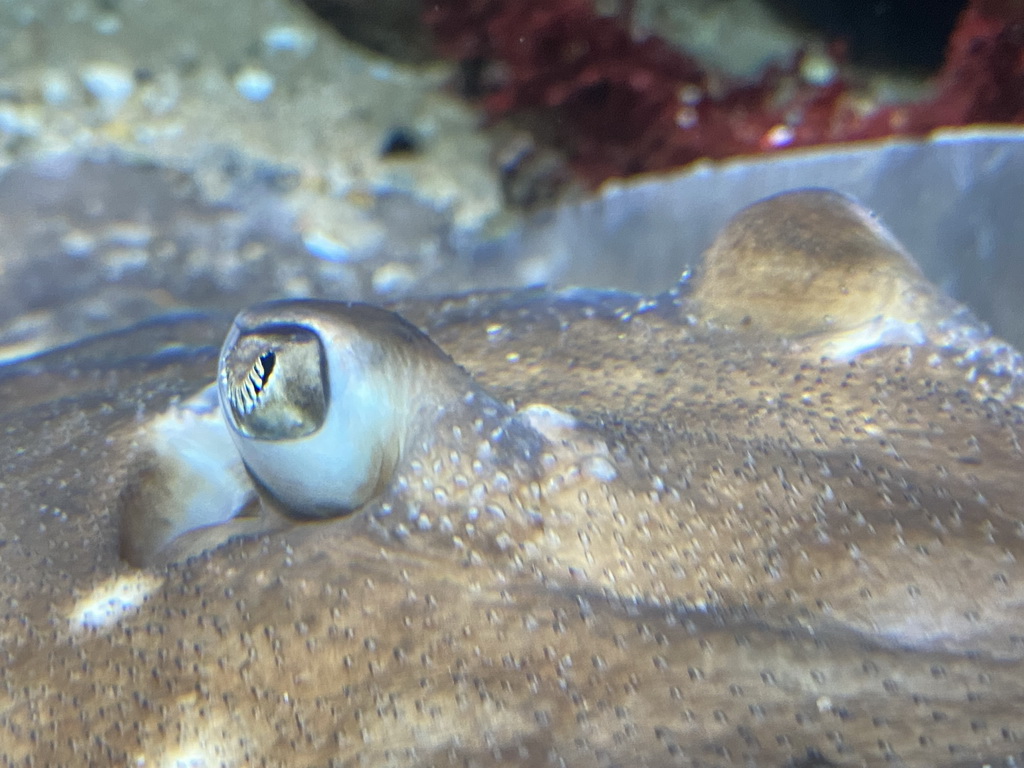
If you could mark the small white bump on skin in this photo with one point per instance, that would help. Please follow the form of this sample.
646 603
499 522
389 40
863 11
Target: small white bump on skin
561 428
112 599
599 467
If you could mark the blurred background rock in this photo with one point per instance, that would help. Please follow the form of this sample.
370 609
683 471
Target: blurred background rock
391 27
175 154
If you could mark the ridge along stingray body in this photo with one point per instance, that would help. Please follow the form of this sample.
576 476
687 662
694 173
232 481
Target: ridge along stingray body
627 531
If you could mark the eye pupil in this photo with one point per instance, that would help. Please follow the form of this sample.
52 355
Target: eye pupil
264 366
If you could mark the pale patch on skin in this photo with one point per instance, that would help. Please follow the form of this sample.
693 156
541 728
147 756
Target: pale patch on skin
110 601
186 757
201 741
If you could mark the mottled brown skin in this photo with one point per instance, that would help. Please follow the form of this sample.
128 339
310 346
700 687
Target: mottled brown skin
798 562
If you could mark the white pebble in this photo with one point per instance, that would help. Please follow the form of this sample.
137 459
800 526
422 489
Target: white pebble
56 88
78 243
325 247
818 68
288 38
107 24
393 278
254 84
110 84
19 121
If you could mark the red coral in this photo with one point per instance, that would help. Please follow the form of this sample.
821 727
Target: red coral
625 106
983 77
608 90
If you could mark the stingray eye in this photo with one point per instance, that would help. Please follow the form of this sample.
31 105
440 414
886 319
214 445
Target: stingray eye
274 384
321 398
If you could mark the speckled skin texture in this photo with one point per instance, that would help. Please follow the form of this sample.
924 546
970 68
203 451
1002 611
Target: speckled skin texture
738 554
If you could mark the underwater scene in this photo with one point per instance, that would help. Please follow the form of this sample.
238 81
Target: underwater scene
512 382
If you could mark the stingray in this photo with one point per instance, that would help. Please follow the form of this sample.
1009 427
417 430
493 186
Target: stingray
769 517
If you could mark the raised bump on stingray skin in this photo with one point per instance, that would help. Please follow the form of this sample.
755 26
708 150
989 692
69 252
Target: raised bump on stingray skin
814 263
